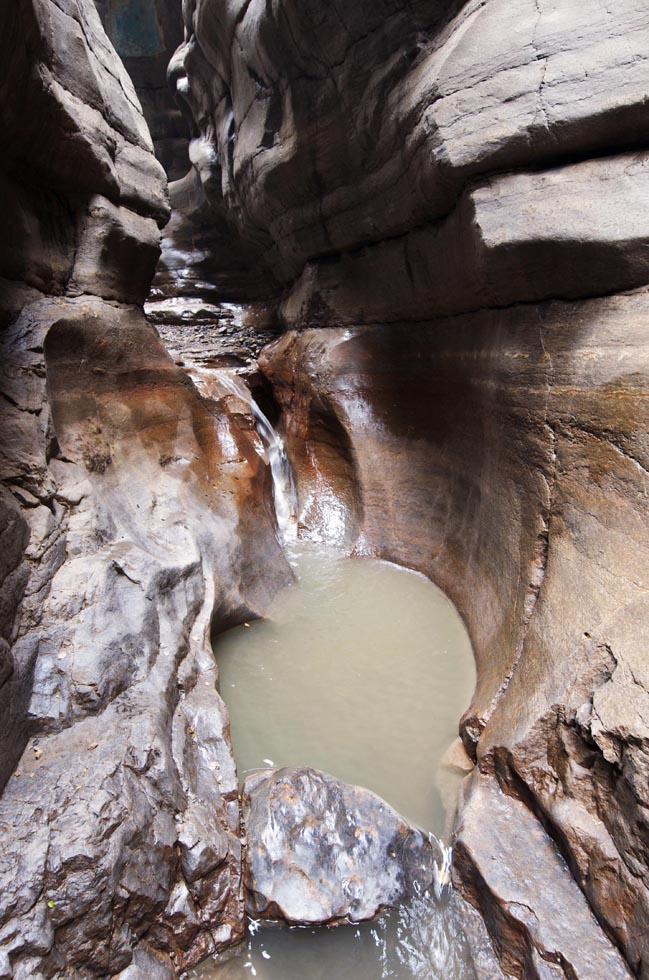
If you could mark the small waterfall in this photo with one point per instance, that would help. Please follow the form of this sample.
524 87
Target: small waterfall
284 493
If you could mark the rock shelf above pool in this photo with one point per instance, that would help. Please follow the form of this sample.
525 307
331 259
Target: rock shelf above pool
323 851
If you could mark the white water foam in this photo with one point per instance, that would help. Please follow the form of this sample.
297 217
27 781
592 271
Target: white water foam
284 493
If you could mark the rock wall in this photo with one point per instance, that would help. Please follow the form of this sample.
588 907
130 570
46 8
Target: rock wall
455 194
505 455
135 519
83 197
145 34
338 130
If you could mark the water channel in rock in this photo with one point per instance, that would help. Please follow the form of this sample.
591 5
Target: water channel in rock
362 669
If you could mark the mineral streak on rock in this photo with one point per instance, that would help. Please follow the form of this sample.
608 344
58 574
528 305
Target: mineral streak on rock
123 816
320 851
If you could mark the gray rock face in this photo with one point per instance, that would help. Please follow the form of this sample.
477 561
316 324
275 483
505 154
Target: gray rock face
203 256
322 851
560 944
122 816
145 34
316 116
83 196
79 166
518 439
511 238
127 505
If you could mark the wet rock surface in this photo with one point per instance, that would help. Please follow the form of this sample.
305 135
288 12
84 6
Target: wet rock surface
322 851
387 164
518 439
555 944
122 816
204 335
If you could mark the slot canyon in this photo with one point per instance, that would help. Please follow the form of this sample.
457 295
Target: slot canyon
394 253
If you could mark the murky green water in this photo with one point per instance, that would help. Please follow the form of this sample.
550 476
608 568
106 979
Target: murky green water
362 669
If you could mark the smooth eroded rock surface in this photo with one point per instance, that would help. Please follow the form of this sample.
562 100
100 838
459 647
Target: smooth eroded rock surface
444 188
325 131
504 453
322 851
565 941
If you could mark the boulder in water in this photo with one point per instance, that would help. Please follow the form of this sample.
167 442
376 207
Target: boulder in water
322 851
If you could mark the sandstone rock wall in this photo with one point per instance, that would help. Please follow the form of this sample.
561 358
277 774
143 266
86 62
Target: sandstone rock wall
336 130
81 190
444 187
135 518
505 455
468 178
145 35
122 816
83 197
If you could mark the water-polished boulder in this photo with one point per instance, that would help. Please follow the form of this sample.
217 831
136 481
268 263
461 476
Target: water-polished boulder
323 851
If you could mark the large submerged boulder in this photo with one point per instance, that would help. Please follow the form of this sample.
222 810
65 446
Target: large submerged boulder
320 851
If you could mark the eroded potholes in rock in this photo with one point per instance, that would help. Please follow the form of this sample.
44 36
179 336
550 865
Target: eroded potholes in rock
361 669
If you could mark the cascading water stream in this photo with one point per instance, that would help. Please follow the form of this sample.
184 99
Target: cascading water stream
284 493
361 669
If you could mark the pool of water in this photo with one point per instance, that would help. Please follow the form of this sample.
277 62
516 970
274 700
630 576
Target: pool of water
361 669
423 941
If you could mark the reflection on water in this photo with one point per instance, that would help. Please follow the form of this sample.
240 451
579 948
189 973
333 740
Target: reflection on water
362 669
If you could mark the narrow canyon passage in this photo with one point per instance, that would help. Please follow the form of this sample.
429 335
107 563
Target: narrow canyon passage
309 311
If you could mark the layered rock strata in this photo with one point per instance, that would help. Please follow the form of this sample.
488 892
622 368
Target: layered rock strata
334 130
467 178
145 34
